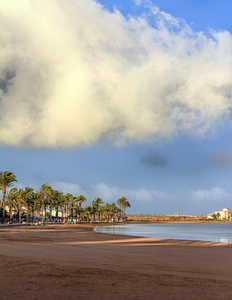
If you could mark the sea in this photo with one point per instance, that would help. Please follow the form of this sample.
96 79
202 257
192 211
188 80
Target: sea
214 232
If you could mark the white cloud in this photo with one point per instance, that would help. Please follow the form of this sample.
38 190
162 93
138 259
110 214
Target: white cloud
111 193
67 187
215 194
72 73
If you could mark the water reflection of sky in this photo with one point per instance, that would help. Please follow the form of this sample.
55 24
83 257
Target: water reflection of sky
203 232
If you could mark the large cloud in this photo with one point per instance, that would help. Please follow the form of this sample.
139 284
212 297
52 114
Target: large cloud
72 73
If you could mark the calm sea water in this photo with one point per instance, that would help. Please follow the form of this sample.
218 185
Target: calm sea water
202 232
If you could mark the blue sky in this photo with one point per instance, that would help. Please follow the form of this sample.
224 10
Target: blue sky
119 98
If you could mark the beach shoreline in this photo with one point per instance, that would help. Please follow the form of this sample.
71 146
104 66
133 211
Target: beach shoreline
74 261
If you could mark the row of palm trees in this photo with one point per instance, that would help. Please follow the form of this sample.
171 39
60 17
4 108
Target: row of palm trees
47 200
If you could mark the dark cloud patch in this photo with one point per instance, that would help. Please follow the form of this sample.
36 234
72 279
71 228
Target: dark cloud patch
222 159
154 159
6 80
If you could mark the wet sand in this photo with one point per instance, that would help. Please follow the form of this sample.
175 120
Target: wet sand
74 262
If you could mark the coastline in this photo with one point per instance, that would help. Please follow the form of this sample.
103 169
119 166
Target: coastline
76 262
214 232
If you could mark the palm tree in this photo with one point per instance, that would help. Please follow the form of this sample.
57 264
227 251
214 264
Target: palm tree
113 209
62 205
6 180
88 211
119 202
105 211
81 212
36 204
50 194
96 203
71 206
93 209
81 199
77 207
19 201
101 211
43 192
68 198
28 199
109 210
12 200
57 201
117 210
123 203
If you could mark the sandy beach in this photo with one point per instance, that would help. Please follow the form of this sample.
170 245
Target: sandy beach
74 262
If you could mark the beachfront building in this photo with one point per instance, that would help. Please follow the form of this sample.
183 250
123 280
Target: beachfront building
38 215
224 214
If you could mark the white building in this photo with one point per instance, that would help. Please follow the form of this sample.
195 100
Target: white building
224 214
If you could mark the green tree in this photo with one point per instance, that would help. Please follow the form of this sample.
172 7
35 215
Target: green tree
27 195
68 198
44 191
110 210
123 204
105 210
218 215
20 203
96 204
11 200
77 207
6 180
35 204
72 203
81 212
57 200
62 205
89 212
81 199
50 195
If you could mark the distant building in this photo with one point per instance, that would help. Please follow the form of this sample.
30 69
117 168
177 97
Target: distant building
224 214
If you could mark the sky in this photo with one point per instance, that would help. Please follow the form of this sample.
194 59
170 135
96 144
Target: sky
115 98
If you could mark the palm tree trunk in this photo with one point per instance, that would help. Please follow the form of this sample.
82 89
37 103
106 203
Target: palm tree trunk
3 197
27 213
2 204
34 211
50 213
42 210
45 212
19 214
67 213
3 215
10 212
57 213
62 209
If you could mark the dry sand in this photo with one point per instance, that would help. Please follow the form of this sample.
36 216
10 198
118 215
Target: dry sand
73 262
